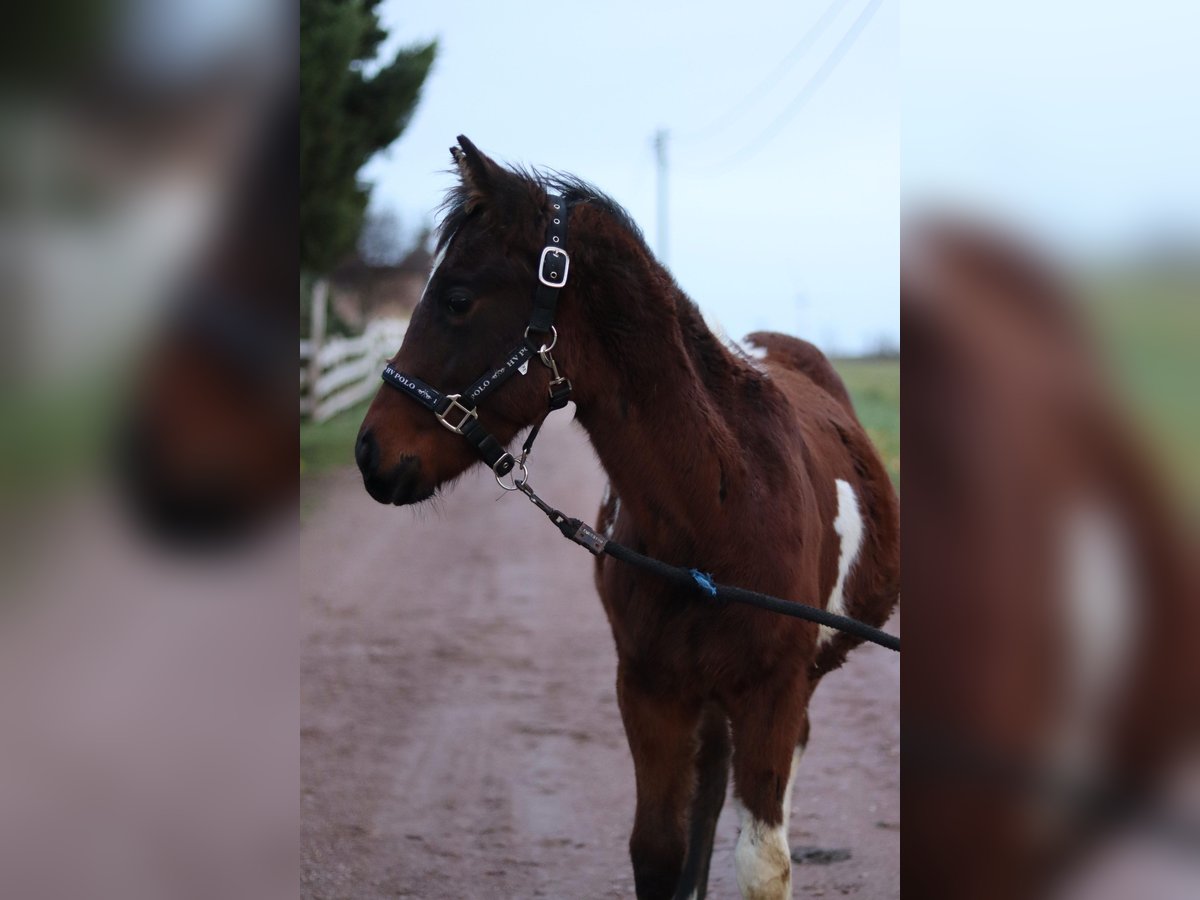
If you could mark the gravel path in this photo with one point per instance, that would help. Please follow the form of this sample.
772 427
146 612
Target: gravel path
460 734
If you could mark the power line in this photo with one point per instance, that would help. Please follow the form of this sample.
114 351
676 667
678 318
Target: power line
807 92
750 97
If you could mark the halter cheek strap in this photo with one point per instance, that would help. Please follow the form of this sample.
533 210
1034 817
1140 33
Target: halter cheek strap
459 412
553 267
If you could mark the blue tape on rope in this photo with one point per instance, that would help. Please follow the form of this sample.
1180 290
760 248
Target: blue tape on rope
705 582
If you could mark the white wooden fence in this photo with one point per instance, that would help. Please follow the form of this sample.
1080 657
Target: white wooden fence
338 372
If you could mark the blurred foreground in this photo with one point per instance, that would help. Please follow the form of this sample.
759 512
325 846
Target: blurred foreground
1050 701
148 461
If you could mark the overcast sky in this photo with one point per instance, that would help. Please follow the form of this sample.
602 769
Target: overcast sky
1077 119
800 233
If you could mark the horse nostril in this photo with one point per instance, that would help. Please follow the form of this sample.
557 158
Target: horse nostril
399 484
366 453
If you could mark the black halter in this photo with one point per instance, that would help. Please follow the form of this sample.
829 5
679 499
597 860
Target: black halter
459 412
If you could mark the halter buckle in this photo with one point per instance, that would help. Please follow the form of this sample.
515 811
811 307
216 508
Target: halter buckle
548 273
466 412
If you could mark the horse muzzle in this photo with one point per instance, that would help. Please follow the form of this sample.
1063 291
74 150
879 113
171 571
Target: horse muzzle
400 484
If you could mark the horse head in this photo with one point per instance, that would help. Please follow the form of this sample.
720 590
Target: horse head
475 308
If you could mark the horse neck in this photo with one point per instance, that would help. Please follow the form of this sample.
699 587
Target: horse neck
653 390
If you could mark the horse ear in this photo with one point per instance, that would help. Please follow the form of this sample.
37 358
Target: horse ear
478 172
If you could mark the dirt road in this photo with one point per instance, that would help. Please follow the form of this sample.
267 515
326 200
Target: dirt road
460 733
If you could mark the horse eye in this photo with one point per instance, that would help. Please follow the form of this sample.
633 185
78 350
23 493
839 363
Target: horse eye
458 303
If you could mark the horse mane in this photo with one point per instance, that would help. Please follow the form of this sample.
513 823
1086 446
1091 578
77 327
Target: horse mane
456 207
710 353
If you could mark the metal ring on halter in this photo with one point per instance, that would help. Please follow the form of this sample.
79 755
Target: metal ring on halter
546 348
516 485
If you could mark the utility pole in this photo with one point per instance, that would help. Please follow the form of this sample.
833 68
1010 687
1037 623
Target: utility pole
660 154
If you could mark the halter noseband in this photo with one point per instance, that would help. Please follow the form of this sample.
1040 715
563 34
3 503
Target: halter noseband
462 417
459 412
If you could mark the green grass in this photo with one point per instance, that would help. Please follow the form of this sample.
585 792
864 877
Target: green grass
57 434
330 444
1149 326
874 386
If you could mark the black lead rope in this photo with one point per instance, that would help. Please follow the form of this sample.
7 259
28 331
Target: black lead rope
586 536
459 413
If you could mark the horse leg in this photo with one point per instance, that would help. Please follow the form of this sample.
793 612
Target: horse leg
712 774
768 739
662 739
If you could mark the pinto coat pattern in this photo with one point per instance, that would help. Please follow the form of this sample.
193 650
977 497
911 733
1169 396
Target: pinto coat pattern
756 470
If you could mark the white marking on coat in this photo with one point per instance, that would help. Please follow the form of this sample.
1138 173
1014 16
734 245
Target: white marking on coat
748 353
1099 598
753 350
755 356
437 262
761 858
849 527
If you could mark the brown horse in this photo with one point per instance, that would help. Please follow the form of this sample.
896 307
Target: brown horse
755 470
